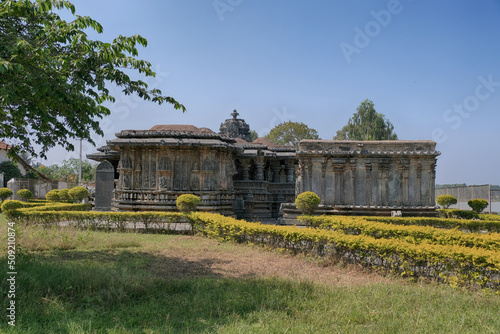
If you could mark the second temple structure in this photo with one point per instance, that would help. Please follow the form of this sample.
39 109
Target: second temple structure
259 180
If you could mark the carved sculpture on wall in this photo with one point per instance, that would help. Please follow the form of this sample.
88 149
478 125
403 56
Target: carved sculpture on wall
165 163
195 182
126 162
126 181
164 182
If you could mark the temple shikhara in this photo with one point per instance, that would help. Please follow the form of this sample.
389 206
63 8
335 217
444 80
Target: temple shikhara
259 180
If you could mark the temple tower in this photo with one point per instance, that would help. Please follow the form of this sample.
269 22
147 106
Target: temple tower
236 128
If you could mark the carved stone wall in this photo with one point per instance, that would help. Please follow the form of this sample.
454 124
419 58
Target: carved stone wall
367 177
157 166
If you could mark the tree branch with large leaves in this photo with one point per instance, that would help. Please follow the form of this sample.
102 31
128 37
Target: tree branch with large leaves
54 79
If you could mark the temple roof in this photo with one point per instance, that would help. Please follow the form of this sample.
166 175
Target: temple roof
265 141
376 147
180 128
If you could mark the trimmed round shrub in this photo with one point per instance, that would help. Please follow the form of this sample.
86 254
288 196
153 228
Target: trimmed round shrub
5 193
307 202
64 194
24 194
478 205
11 205
78 193
187 202
52 195
446 200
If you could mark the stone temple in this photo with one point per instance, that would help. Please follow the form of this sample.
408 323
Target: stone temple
258 180
231 174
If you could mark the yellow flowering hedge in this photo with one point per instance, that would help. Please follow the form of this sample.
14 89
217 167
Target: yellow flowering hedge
35 208
468 225
410 233
450 263
104 220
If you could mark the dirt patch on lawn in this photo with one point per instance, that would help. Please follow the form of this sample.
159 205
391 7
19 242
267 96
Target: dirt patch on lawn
199 257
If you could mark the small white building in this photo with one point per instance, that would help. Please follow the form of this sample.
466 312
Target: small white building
21 164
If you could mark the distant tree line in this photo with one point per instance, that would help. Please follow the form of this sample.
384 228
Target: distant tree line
365 124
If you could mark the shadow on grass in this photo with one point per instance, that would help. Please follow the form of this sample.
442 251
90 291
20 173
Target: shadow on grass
125 291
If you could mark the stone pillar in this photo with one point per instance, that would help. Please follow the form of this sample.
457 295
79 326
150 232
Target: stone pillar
276 168
383 169
378 181
301 179
306 176
317 182
104 186
352 181
132 164
153 169
324 166
368 183
245 166
195 170
419 183
138 170
290 169
145 169
338 170
404 168
432 190
259 168
426 183
329 181
177 175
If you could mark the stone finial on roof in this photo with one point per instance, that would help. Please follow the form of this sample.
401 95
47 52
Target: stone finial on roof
236 128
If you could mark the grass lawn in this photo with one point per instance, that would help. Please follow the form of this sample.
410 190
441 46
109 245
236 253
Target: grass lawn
72 281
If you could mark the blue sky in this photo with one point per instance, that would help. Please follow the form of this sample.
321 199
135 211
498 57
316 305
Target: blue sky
431 67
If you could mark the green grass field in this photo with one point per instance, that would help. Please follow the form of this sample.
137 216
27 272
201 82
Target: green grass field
72 281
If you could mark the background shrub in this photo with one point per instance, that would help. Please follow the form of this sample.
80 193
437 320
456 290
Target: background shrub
456 213
446 200
187 202
478 205
78 193
11 205
52 195
64 194
307 202
5 193
24 194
